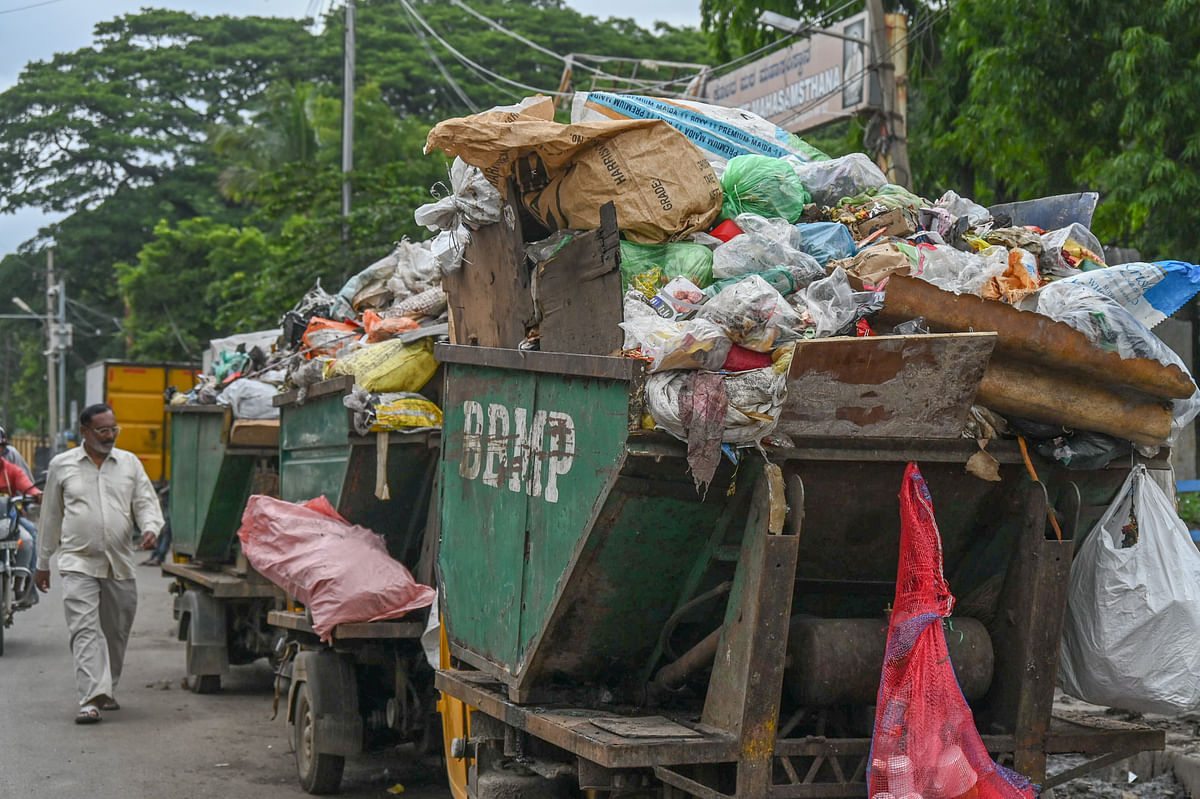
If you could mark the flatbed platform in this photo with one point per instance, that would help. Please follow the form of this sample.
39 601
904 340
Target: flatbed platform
613 740
224 582
367 630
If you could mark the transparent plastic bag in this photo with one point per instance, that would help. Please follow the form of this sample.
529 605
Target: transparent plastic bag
826 241
830 181
1133 612
754 401
1067 247
833 304
754 314
762 185
765 244
958 271
958 206
691 344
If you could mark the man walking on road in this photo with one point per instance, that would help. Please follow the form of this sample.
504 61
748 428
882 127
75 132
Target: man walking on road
96 500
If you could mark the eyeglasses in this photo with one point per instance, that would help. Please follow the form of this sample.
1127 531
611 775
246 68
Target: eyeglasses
106 431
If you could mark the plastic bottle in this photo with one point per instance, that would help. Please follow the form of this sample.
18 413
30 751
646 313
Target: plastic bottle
955 778
900 775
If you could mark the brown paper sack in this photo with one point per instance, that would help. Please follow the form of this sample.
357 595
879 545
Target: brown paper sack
663 187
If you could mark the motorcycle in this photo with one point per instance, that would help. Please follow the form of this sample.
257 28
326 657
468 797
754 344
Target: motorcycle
16 582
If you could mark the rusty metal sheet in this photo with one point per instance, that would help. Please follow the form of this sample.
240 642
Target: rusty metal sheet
1023 389
885 386
1030 337
645 727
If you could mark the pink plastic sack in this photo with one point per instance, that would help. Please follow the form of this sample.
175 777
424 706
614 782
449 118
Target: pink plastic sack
340 571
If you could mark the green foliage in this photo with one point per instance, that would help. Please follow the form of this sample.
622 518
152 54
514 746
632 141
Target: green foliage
188 285
1189 508
200 157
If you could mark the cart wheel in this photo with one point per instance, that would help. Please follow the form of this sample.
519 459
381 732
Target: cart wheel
201 683
319 773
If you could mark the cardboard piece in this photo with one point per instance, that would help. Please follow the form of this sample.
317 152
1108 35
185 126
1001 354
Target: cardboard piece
662 185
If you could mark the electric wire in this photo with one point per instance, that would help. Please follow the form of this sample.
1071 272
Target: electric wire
31 5
454 85
479 68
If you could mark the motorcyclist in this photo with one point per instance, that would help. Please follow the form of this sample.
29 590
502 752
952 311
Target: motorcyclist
13 481
9 453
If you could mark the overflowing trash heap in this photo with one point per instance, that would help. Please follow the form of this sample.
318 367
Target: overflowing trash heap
739 240
378 328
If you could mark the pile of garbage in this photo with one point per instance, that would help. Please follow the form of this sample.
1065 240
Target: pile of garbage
379 328
739 240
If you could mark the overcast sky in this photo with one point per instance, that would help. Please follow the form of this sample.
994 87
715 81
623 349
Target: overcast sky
34 30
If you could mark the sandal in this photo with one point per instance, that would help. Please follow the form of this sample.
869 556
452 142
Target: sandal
88 714
108 704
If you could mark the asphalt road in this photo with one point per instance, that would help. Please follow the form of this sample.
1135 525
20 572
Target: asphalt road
165 740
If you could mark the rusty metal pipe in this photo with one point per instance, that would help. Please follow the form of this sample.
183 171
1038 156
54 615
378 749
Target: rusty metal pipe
671 676
839 661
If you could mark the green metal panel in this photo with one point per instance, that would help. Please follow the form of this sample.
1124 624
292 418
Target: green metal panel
595 414
209 487
321 455
313 449
483 519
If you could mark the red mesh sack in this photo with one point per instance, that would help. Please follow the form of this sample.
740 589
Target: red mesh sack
340 571
925 744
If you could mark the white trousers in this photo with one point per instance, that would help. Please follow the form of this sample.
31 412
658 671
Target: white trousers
99 617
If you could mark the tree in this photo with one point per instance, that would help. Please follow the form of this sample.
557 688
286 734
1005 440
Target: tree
136 106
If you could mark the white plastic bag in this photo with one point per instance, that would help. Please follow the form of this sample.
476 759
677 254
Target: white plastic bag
1132 633
473 203
249 399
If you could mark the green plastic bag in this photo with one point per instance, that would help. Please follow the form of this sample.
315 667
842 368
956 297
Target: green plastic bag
759 184
676 259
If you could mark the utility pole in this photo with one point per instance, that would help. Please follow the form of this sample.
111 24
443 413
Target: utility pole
51 366
894 158
62 343
347 118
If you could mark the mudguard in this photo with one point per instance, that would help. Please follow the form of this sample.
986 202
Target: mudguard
333 688
202 624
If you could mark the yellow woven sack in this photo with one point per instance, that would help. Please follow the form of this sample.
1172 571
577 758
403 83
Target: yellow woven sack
390 365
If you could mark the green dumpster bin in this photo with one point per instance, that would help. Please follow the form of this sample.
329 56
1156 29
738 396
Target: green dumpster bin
717 643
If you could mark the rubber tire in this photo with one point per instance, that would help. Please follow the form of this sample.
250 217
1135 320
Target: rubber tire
5 602
318 773
201 683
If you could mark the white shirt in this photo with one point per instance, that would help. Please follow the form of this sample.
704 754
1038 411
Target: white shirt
89 513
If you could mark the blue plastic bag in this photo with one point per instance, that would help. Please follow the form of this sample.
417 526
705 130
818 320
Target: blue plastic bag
827 241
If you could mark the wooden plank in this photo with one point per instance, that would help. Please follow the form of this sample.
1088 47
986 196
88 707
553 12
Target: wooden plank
885 386
372 630
573 729
223 585
489 297
579 292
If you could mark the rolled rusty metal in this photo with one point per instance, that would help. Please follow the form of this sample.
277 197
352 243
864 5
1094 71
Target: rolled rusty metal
839 661
1022 389
1030 337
